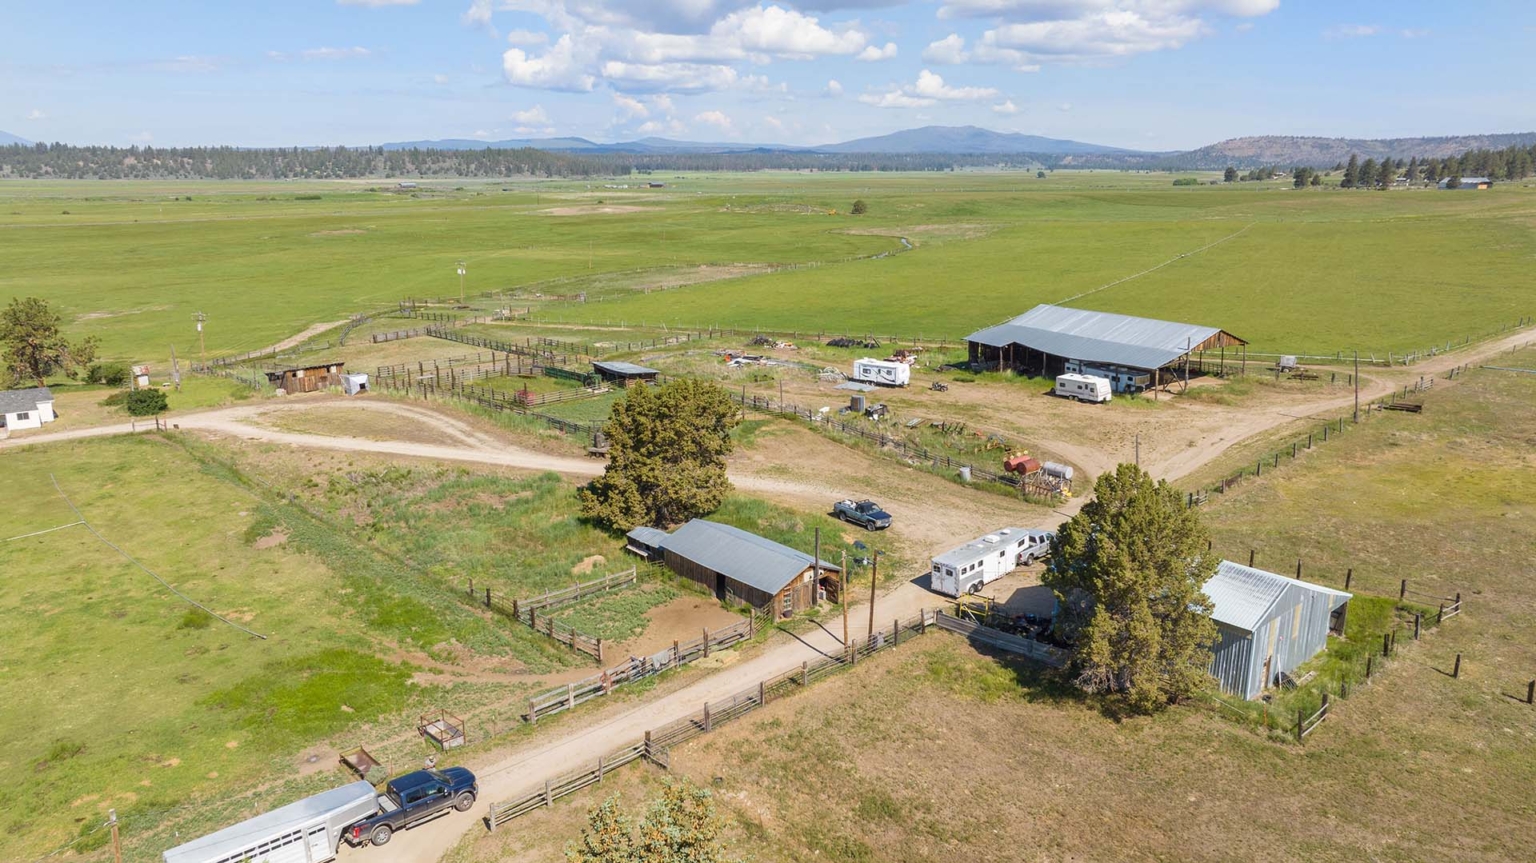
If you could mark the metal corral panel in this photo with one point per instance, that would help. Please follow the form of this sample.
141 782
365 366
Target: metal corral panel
1253 608
741 556
1102 337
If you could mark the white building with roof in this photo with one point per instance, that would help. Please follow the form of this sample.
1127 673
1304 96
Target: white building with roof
1270 625
25 409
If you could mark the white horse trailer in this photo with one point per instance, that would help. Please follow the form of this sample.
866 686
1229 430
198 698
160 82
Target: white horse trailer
882 372
307 831
1084 388
965 569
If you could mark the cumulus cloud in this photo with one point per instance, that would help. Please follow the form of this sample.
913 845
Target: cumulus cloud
673 77
715 118
950 50
36 114
439 79
931 86
670 126
536 114
558 68
834 88
1006 107
895 99
526 38
629 107
1351 31
874 54
478 15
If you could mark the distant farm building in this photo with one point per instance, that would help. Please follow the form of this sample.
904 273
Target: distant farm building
308 379
623 373
1269 625
1466 183
25 409
1133 353
738 566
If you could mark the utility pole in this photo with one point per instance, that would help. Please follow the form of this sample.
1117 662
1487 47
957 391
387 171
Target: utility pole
202 353
842 593
175 369
117 846
462 271
1357 386
874 579
816 568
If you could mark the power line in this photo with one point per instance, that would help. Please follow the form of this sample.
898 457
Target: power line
189 600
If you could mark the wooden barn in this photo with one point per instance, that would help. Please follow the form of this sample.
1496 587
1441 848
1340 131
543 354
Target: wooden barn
739 567
1269 625
308 379
1133 353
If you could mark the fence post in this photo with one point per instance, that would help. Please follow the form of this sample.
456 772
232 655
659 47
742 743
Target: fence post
487 597
1368 661
674 652
1348 577
533 716
1402 591
1250 558
533 619
599 768
922 622
1440 618
1418 623
1298 569
896 632
1530 693
708 725
548 800
1456 672
805 674
515 613
706 642
570 696
762 693
1299 720
600 650
1386 644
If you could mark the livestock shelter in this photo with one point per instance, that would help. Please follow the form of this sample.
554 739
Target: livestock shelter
1269 625
308 379
738 566
25 409
1133 353
622 373
1466 183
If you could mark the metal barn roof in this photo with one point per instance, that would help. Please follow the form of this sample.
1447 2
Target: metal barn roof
745 557
13 401
614 367
1104 337
1241 596
648 536
233 839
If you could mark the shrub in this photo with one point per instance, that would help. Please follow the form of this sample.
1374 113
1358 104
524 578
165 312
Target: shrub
110 374
195 618
144 403
859 207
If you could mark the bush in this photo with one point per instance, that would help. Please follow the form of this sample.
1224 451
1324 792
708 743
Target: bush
1186 181
195 618
859 207
144 403
115 400
110 374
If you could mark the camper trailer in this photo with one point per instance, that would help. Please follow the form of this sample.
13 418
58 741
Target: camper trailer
883 372
1121 379
965 569
1084 388
307 831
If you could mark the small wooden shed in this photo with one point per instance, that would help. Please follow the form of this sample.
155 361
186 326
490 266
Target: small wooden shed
740 567
623 374
308 379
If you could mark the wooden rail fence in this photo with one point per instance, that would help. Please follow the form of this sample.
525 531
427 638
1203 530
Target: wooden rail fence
535 610
487 398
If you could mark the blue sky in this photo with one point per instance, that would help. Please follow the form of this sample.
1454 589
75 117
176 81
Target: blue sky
1147 74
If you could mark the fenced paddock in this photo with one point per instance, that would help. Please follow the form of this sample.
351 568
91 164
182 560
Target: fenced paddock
534 611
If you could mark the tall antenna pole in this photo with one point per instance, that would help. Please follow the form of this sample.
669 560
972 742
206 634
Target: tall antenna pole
202 351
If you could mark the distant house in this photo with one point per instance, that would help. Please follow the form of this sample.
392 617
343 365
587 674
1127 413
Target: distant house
1466 183
1269 625
308 379
405 185
738 566
25 409
623 373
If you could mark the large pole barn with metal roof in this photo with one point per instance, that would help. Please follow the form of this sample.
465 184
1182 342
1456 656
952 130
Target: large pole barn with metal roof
1133 353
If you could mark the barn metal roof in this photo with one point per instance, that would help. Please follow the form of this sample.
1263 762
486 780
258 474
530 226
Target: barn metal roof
239 836
648 536
615 367
745 557
1104 337
14 401
1242 596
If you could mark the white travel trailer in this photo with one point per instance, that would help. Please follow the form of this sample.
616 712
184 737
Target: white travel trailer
1084 388
965 569
882 372
307 831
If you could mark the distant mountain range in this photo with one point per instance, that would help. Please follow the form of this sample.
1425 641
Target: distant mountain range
969 140
1288 151
6 139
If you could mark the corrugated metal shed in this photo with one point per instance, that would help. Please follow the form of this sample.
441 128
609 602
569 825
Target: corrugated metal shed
622 369
1269 625
1101 337
650 536
15 401
745 557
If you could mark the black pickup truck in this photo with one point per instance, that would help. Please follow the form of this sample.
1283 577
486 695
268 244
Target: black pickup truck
413 798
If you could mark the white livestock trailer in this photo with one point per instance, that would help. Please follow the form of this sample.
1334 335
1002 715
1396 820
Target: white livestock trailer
883 372
307 831
965 569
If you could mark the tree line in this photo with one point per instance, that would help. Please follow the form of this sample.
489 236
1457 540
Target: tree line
1510 163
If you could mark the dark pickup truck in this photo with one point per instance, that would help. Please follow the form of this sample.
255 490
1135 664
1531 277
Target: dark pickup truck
413 798
865 513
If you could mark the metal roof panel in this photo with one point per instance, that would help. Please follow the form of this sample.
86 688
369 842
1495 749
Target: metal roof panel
745 557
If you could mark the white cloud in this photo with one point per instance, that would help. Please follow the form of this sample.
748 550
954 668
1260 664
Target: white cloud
773 121
787 33
187 63
377 4
1064 106
873 54
1351 31
674 77
950 50
1006 107
478 15
535 114
670 126
526 38
556 69
36 114
931 86
480 133
834 88
328 53
894 99
1415 33
439 79
716 119
630 107
662 102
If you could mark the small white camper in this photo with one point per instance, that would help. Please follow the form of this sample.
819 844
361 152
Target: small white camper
965 569
883 372
1084 388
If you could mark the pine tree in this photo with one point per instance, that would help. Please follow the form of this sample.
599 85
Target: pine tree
1388 174
1128 571
1351 172
1366 178
1431 171
34 344
1229 175
1317 179
1413 170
